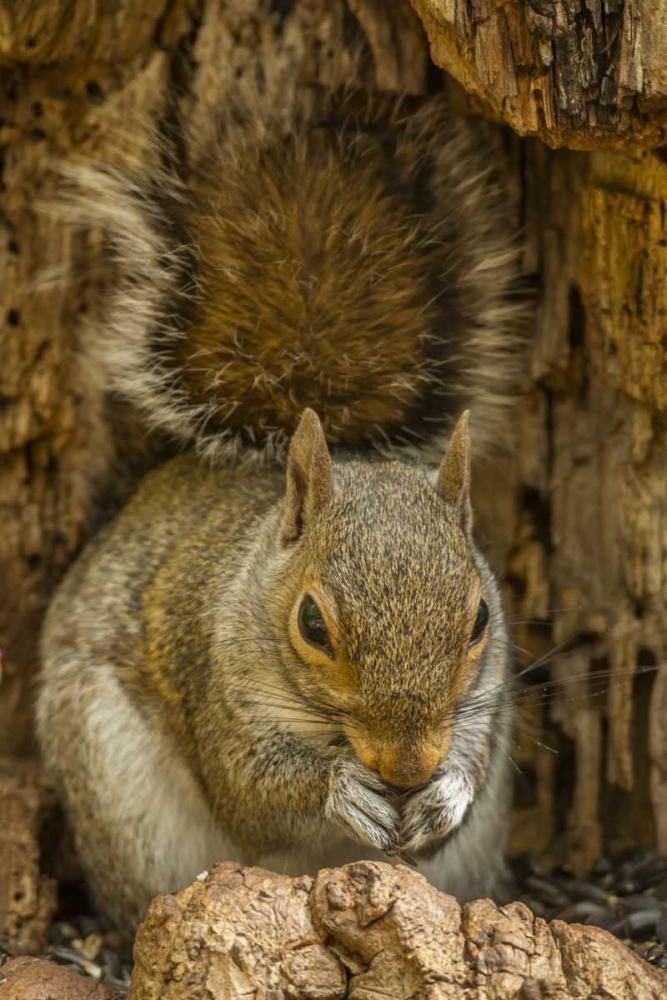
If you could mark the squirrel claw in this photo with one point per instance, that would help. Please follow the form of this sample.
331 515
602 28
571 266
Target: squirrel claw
356 804
403 857
436 810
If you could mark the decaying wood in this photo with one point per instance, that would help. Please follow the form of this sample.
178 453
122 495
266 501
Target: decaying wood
576 73
590 553
369 930
53 443
27 898
34 979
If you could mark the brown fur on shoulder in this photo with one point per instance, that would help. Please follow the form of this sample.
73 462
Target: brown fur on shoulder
356 261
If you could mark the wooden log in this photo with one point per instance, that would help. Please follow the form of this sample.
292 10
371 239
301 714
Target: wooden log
576 73
27 898
368 930
54 447
589 565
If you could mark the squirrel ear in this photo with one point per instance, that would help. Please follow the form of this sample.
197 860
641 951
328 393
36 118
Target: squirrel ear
453 482
309 476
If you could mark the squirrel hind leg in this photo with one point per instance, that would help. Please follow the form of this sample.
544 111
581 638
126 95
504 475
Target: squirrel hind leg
140 822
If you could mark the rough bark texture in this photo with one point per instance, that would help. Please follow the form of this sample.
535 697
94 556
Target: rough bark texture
27 898
52 440
577 73
578 518
588 552
364 931
34 979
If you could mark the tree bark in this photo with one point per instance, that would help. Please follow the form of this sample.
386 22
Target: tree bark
578 73
586 563
27 898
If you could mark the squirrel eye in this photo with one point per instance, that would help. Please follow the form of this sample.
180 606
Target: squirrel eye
480 623
312 626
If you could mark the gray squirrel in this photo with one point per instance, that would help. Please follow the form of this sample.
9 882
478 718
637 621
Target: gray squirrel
287 648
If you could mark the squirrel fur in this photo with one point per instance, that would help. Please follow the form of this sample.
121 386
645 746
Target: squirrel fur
357 260
293 666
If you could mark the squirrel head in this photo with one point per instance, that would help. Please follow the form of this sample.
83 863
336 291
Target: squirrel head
382 608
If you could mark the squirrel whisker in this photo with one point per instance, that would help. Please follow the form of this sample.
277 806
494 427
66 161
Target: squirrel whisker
313 297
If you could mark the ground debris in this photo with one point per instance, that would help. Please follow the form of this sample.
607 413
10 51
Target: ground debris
624 893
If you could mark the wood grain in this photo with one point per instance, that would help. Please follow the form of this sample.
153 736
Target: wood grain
577 73
27 898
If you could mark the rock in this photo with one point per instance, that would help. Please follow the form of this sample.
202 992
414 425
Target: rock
35 979
364 931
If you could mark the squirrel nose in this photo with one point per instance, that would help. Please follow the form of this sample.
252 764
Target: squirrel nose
401 763
408 771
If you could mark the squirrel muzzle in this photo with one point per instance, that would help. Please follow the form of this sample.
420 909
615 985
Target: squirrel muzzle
404 764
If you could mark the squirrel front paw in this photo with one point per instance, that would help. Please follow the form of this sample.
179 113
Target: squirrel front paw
356 803
435 810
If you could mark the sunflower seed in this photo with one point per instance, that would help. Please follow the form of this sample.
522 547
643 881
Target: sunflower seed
636 924
661 928
587 912
547 891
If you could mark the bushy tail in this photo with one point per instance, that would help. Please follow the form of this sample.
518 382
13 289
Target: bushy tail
359 261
